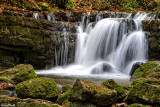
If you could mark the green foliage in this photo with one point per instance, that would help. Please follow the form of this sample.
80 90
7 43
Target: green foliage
131 4
44 6
69 4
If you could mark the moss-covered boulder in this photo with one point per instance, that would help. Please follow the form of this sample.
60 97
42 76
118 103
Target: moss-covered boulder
19 73
66 103
137 105
111 84
147 70
16 102
147 92
43 88
66 88
90 93
63 97
81 104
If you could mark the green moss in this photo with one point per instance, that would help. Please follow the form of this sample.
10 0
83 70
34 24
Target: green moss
8 101
136 105
19 73
63 97
24 75
143 71
66 88
66 103
137 81
43 88
4 79
96 94
147 91
111 84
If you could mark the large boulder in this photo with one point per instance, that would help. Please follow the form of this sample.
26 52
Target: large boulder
43 88
17 102
147 70
66 88
18 73
90 93
81 104
111 84
147 92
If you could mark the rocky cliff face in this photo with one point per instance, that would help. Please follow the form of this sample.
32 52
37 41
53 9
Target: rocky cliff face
152 28
29 40
49 38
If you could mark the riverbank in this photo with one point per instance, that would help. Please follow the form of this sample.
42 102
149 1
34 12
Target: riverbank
29 90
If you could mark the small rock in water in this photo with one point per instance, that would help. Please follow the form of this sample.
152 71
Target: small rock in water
135 66
102 68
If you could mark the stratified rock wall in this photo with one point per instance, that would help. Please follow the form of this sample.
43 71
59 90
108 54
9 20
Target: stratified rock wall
30 40
152 28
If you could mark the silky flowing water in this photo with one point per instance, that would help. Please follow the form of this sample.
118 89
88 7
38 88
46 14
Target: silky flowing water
106 48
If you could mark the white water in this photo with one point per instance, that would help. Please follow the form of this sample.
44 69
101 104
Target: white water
107 50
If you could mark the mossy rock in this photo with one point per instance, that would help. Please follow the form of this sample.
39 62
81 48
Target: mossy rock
66 88
136 105
19 73
66 103
63 97
146 92
91 93
8 101
43 88
147 70
82 104
26 72
111 84
137 81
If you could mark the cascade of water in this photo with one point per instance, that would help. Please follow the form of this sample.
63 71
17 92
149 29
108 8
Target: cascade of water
110 47
35 15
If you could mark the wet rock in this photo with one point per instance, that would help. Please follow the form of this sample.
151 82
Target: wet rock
29 40
137 105
43 88
111 84
147 70
7 86
135 66
146 92
90 93
152 27
10 101
81 104
62 98
102 68
19 73
66 88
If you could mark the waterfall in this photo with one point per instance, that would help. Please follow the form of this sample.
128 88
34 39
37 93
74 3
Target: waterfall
108 47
